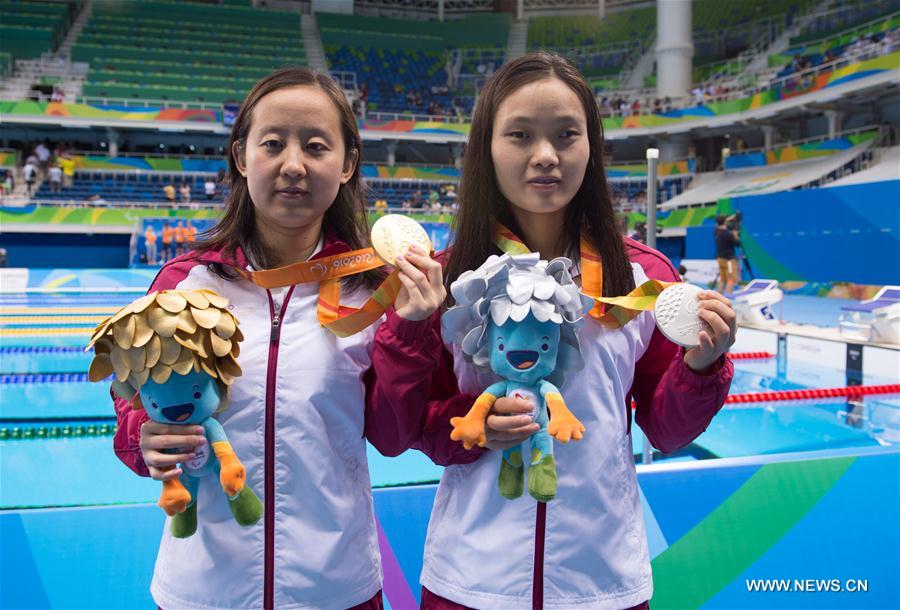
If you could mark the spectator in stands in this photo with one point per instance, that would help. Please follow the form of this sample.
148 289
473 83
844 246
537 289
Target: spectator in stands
29 175
417 201
169 193
58 96
190 233
296 196
67 163
180 238
95 200
6 184
55 177
184 192
220 177
639 234
697 92
42 152
209 188
4 261
168 241
381 206
150 245
726 240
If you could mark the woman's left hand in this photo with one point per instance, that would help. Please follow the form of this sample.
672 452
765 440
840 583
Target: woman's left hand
423 285
715 310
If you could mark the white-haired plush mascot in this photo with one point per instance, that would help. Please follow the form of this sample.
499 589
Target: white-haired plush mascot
518 315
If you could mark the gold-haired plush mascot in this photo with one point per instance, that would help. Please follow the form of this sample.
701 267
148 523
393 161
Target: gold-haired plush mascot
173 355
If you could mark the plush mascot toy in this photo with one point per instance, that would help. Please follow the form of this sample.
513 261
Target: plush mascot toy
518 315
173 354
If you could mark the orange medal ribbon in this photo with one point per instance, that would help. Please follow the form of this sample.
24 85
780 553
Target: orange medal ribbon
621 310
341 320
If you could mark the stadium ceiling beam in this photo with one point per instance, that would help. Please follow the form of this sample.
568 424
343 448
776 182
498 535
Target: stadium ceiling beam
839 105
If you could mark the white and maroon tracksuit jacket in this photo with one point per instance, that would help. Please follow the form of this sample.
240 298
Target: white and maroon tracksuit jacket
298 419
587 548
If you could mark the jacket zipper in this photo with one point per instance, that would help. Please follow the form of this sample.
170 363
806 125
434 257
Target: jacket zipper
269 520
537 585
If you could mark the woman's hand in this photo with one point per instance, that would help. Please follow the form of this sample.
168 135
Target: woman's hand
509 423
423 285
715 310
155 437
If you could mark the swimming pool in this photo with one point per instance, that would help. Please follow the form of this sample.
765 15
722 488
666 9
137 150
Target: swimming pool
56 426
66 502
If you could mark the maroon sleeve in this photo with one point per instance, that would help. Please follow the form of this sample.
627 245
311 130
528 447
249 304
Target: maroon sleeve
412 392
126 441
674 404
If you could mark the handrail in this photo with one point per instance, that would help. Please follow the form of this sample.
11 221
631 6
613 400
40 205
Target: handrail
410 116
141 103
138 155
125 205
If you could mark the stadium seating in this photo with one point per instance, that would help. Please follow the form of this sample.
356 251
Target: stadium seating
136 187
722 29
184 51
387 55
29 29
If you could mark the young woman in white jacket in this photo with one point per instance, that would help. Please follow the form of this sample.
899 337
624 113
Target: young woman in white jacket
299 416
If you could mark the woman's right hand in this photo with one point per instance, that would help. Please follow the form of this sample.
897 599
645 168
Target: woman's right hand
155 437
509 423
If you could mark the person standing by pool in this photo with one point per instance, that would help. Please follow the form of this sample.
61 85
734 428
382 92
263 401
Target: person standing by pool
533 180
726 240
308 400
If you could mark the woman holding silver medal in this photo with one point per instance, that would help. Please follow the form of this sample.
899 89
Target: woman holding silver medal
533 180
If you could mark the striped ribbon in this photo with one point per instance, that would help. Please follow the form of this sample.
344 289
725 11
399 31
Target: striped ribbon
622 309
341 320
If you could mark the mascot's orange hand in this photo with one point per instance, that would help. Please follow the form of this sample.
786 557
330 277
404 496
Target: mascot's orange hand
564 426
232 474
470 429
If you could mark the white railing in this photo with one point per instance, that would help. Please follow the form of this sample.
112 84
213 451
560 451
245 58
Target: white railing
156 205
136 103
148 155
413 116
125 205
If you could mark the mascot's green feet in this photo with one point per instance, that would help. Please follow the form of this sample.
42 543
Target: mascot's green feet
512 476
185 524
542 477
245 506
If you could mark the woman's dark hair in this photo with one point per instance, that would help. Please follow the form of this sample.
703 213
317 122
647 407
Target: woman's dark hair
345 219
481 203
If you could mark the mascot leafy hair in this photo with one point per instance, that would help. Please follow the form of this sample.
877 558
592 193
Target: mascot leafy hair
173 355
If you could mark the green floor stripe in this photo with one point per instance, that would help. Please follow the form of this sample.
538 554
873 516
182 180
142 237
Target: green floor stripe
741 530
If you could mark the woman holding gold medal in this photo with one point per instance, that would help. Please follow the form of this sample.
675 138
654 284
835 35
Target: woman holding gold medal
290 256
